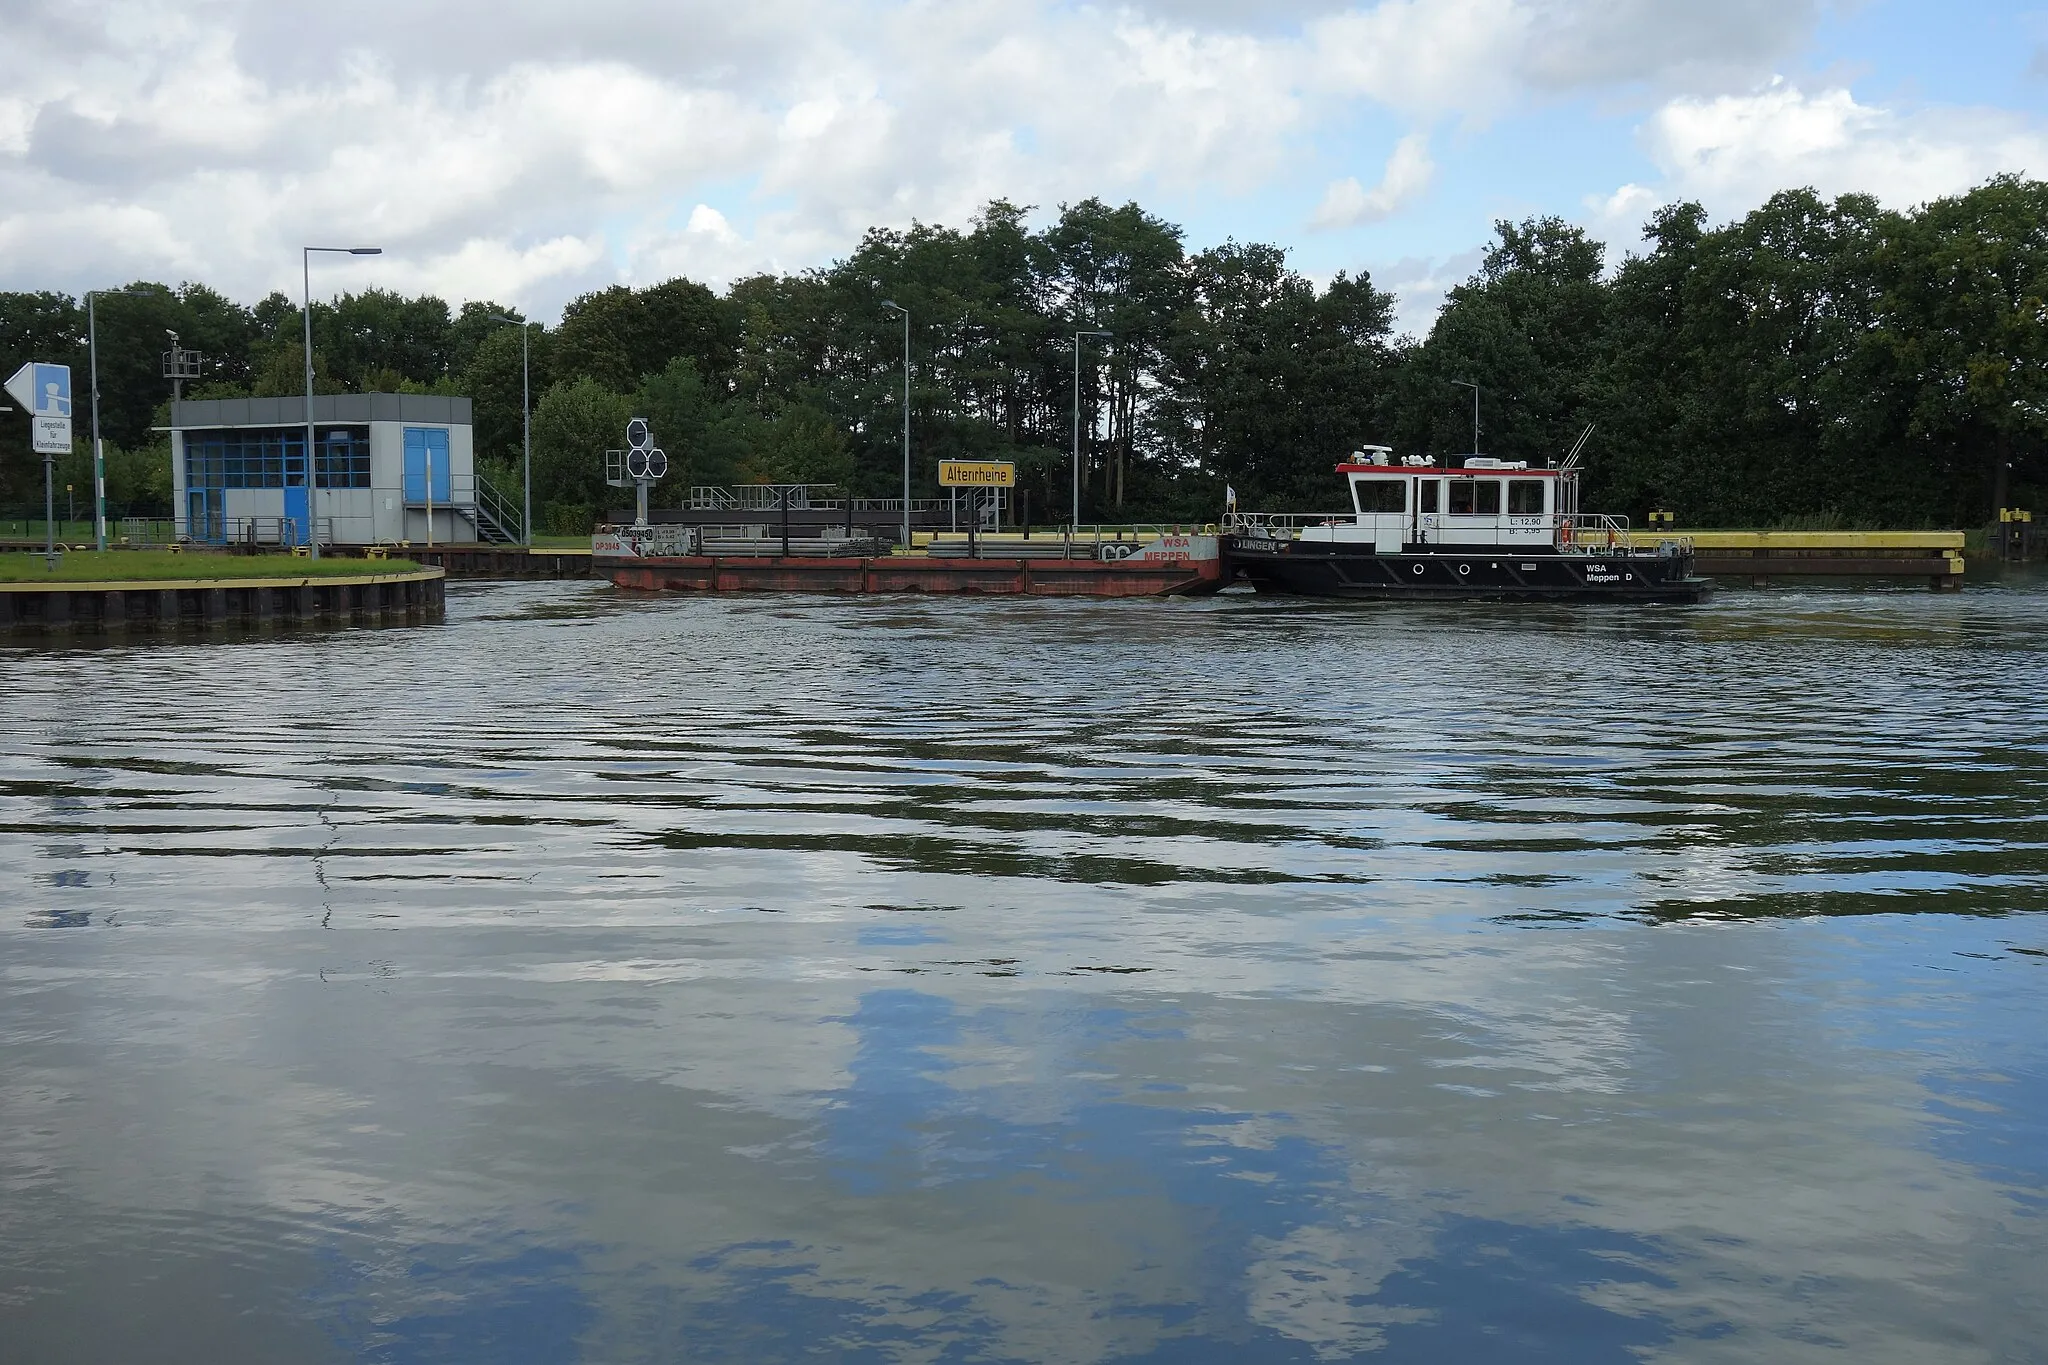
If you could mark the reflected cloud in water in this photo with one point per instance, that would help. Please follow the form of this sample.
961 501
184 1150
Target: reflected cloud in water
625 979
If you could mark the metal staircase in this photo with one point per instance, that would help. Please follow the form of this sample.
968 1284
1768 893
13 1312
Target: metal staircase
496 517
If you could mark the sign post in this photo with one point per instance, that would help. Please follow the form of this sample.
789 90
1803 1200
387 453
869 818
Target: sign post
976 474
45 390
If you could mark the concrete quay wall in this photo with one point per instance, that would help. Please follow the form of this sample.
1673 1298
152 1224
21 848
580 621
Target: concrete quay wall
221 603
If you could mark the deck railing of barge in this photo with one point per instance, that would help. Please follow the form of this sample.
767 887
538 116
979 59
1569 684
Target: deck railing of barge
1585 533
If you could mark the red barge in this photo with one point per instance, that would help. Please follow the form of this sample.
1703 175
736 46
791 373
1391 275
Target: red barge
663 558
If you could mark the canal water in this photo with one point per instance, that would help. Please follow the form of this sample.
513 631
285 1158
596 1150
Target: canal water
940 980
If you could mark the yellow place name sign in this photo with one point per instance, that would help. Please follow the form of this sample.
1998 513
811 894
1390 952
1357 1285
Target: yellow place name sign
976 474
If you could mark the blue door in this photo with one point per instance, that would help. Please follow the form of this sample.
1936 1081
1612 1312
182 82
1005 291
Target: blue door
203 519
295 530
426 451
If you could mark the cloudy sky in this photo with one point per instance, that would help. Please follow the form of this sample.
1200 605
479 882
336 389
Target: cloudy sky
529 150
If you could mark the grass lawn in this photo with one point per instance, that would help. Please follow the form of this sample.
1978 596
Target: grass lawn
90 566
560 542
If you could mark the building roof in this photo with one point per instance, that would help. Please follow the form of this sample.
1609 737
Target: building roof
1439 471
327 407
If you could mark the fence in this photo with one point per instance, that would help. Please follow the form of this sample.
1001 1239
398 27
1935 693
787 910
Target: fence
80 530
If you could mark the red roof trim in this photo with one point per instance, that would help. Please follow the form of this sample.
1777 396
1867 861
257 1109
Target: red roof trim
1445 471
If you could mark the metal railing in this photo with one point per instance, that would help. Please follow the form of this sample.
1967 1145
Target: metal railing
1056 542
282 532
1587 533
471 497
498 520
143 532
1281 525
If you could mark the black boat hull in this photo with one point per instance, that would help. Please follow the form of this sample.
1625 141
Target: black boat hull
1309 569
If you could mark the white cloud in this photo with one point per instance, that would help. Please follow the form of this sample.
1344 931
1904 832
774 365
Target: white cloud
1426 57
1631 202
1733 151
1476 58
1420 284
525 151
1408 174
1617 219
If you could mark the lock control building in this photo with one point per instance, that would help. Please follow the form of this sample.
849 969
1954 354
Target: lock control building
387 469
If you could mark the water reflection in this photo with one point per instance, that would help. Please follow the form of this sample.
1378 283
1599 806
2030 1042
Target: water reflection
622 979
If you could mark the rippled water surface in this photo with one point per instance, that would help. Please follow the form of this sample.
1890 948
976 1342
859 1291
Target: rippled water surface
942 980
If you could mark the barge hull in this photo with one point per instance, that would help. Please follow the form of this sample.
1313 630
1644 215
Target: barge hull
904 574
1486 575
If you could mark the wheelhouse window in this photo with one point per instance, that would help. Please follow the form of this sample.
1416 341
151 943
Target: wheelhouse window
1428 491
1471 497
1525 497
1380 495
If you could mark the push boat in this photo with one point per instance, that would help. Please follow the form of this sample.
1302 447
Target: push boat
1488 529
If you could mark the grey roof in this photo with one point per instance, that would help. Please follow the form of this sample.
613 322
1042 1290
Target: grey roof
327 407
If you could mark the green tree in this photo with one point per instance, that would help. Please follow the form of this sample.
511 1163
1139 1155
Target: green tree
1964 322
574 424
492 382
1119 270
1526 328
1272 383
617 335
710 438
377 338
1737 383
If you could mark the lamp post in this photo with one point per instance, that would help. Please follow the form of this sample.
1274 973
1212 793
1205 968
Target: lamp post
1074 524
99 450
526 421
1468 384
906 417
312 479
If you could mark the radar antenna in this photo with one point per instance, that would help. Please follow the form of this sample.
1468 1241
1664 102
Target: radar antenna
1571 461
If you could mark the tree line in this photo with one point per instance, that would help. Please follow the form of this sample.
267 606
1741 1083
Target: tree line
1813 363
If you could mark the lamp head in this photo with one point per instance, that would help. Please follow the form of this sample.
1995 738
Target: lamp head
366 251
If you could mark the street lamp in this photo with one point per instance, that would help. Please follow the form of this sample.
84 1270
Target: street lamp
1074 524
526 420
906 417
99 450
1468 384
312 479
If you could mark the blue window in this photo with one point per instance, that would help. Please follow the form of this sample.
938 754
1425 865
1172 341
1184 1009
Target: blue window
344 457
426 451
